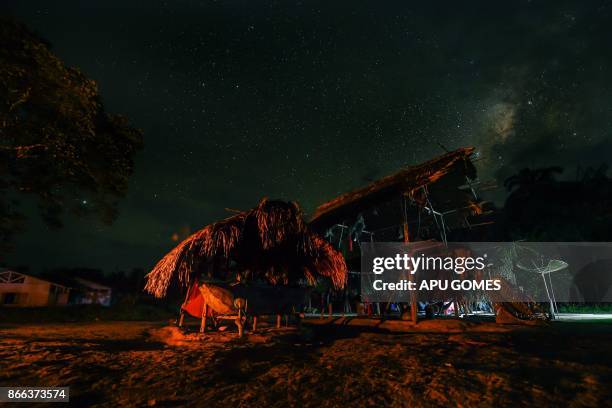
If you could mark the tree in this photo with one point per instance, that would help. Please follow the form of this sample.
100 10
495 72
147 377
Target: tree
528 178
57 143
540 208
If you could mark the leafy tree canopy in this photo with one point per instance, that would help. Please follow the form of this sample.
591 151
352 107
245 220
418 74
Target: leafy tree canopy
57 143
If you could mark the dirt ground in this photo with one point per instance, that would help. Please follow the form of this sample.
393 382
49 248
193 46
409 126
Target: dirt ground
137 364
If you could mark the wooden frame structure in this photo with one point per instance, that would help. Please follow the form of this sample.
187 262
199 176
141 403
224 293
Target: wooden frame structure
433 200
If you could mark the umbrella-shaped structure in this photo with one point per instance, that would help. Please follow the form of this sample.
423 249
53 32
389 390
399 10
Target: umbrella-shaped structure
270 242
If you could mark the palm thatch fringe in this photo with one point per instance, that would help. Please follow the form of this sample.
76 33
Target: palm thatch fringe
270 242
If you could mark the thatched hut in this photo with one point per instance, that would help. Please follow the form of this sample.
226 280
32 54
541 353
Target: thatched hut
270 243
439 189
435 200
432 203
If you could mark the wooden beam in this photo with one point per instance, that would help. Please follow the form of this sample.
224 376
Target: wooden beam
413 301
203 321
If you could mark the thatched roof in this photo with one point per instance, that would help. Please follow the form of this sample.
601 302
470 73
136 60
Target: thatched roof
270 242
404 181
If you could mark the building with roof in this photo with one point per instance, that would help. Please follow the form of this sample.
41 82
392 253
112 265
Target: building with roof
91 293
22 290
432 201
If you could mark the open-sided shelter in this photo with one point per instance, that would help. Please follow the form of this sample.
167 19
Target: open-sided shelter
270 243
431 201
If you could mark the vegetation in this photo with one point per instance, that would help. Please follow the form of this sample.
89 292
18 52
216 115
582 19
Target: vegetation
595 308
57 143
540 207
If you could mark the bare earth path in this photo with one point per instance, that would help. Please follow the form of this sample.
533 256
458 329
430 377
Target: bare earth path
121 364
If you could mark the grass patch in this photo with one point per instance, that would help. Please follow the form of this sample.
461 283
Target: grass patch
594 308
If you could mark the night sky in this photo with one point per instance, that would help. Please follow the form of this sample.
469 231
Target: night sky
305 100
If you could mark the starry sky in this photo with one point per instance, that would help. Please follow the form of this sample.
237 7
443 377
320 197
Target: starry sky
304 100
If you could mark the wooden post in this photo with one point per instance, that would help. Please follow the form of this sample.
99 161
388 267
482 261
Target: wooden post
329 310
203 322
413 308
466 307
182 315
413 300
238 322
404 312
254 323
278 321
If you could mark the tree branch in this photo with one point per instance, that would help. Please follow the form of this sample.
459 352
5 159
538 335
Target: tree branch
22 152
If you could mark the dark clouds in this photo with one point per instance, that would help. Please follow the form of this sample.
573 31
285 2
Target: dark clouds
304 100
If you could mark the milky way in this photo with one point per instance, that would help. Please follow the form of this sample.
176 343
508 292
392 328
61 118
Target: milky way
244 99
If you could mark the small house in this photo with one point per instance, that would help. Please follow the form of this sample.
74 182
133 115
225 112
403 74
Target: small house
21 290
91 293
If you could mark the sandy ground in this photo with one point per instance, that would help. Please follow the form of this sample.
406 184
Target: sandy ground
138 364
